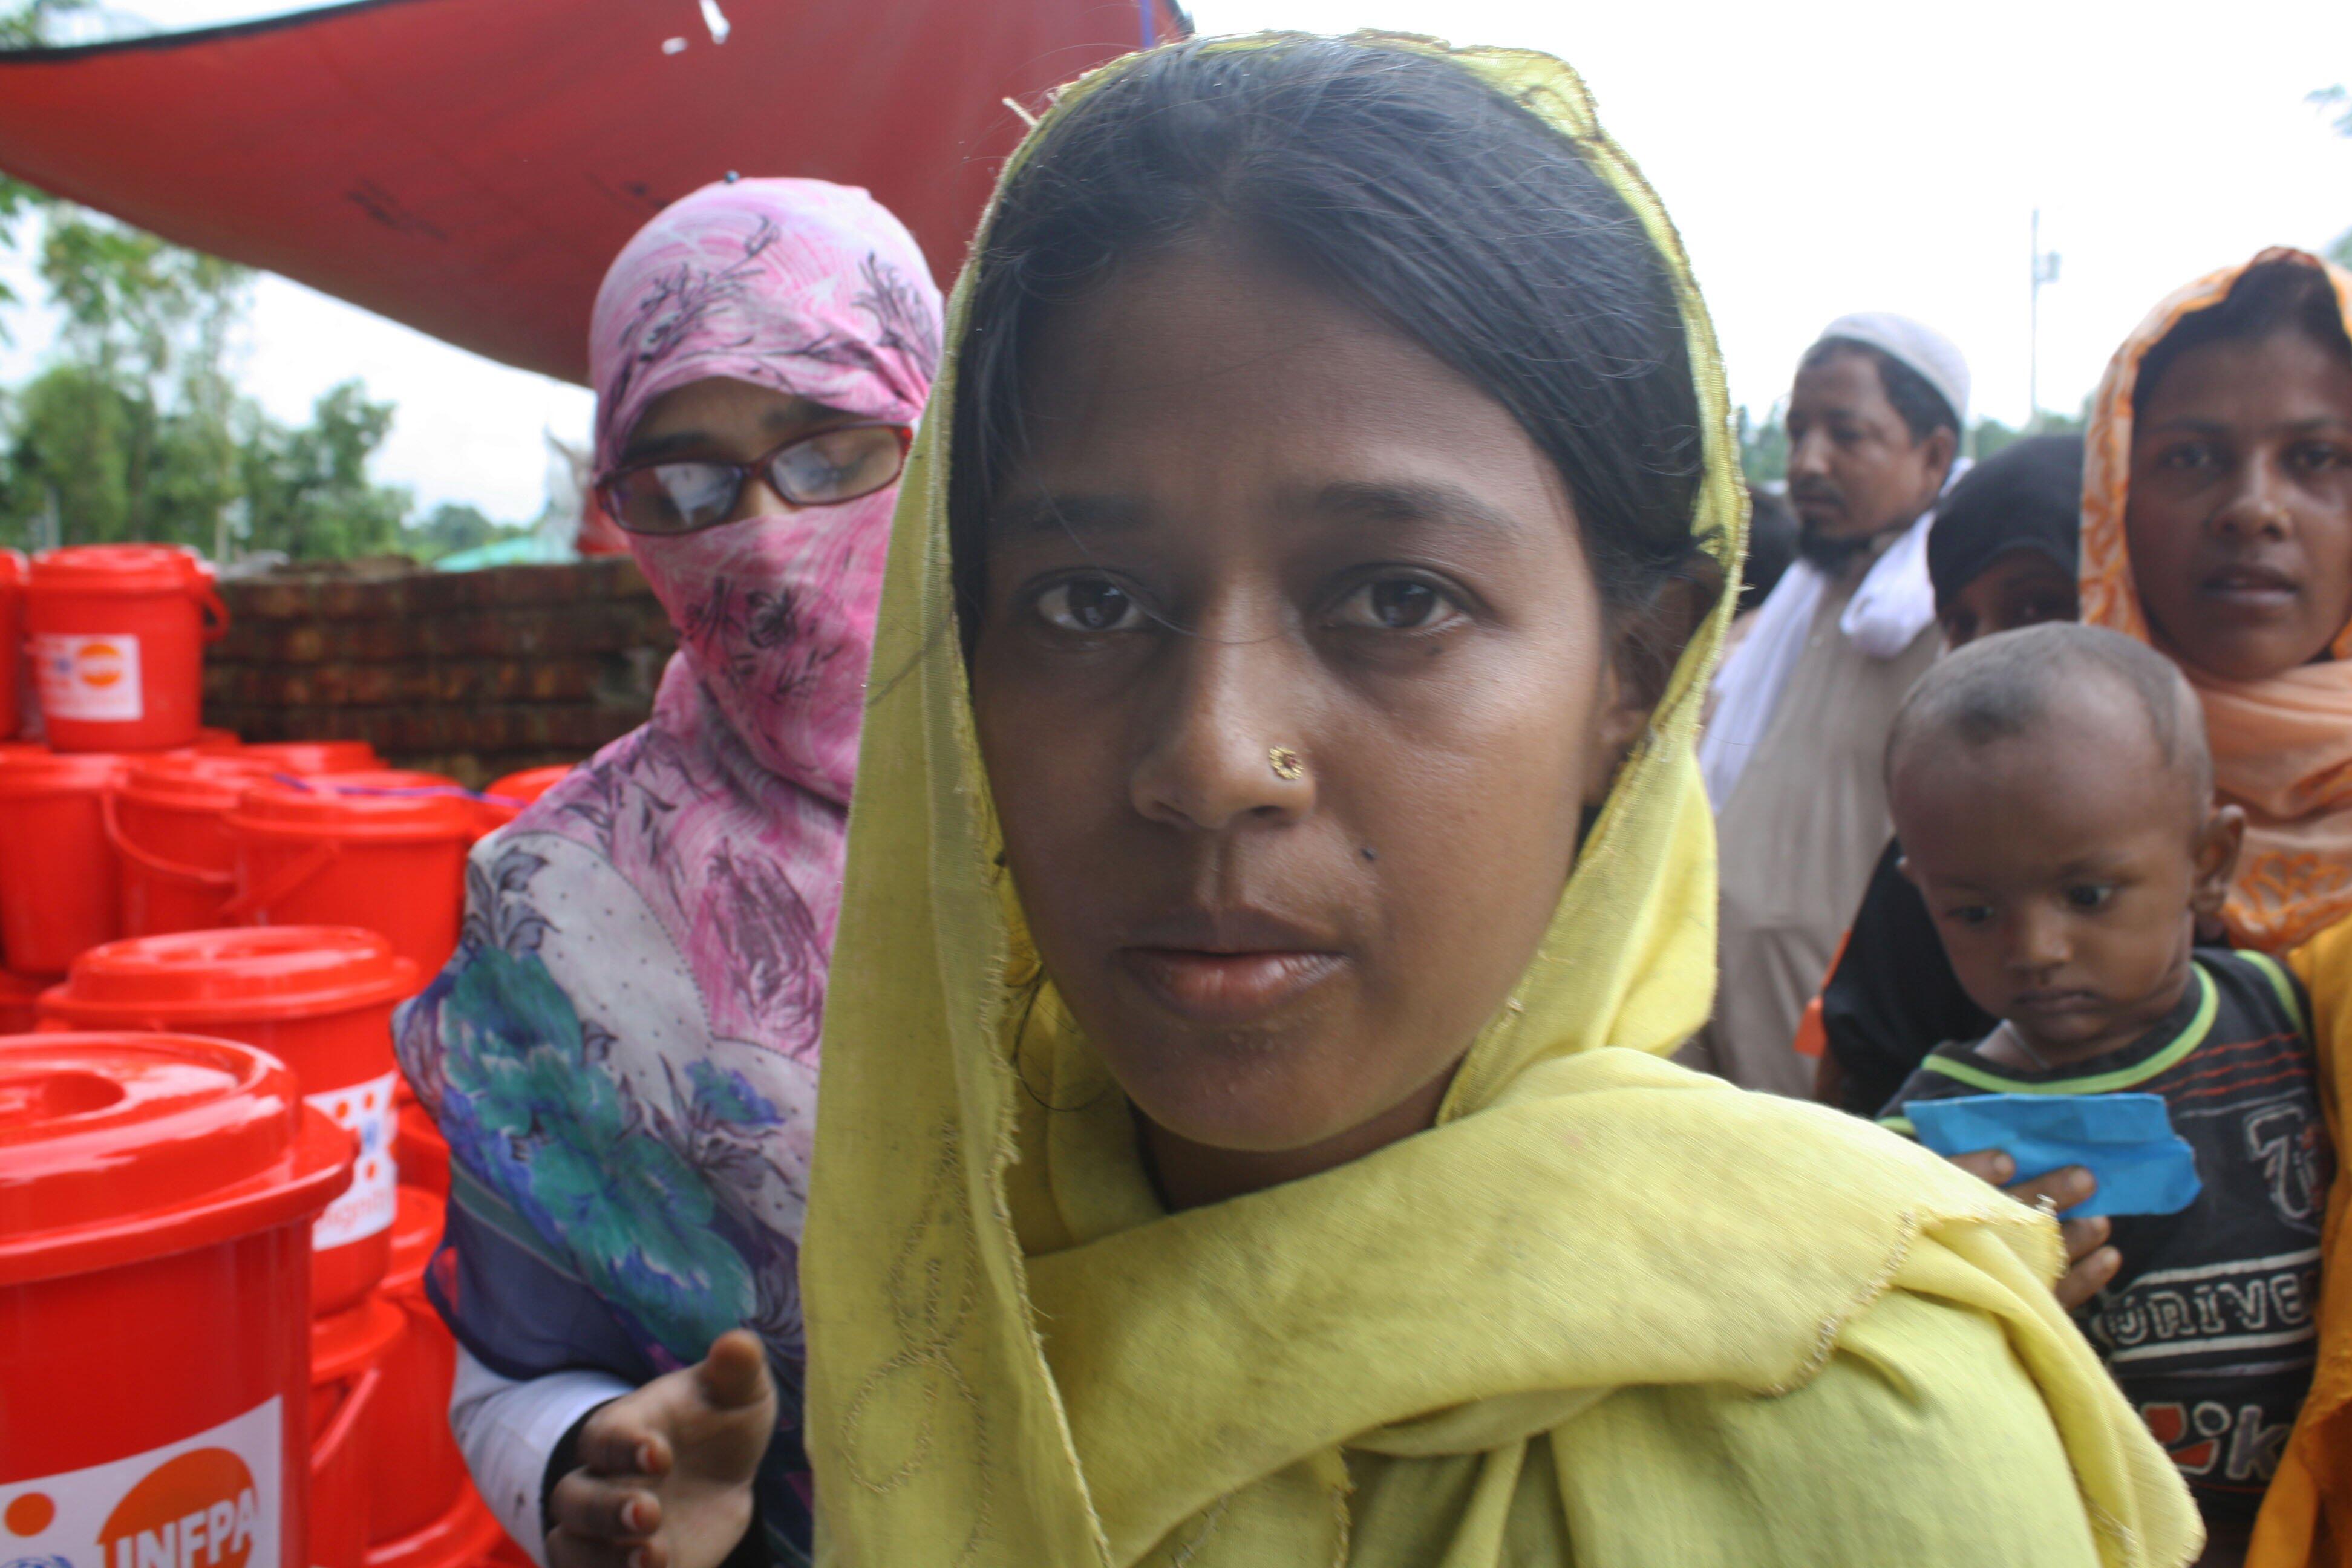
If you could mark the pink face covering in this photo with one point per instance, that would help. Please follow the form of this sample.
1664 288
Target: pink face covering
622 1053
815 290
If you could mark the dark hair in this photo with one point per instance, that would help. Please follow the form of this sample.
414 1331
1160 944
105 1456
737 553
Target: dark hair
1772 531
1922 408
2278 296
1412 189
1999 688
2027 496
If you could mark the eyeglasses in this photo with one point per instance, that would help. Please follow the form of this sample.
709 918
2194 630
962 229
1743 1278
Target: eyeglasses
686 495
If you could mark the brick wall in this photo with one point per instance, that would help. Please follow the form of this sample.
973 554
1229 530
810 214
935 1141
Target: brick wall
473 673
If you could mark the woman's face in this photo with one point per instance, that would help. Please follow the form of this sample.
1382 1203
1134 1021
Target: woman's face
1292 682
2240 516
774 603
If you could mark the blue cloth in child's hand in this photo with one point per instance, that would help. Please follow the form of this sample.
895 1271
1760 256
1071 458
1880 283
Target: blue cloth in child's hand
2126 1141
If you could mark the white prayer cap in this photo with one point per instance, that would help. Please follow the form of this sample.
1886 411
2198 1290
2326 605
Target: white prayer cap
1934 356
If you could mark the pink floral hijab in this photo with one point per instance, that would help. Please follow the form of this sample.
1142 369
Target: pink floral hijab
815 291
622 1053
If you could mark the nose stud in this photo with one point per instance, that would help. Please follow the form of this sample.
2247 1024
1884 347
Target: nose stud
1285 764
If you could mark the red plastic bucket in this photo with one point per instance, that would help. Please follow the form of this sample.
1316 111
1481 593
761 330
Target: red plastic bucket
468 1535
505 800
384 850
316 756
319 999
168 822
423 1153
117 633
412 1414
531 783
59 889
350 1355
13 571
156 1194
211 739
20 996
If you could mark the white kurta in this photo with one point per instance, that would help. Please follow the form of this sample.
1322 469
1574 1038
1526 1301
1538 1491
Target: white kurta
1802 828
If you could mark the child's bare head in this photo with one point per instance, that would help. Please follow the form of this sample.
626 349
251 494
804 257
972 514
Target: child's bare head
2006 688
2054 792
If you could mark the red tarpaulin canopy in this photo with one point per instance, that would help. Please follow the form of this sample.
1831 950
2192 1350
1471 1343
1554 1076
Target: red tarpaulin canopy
469 166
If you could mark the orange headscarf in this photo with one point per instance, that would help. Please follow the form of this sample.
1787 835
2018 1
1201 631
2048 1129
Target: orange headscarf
2282 746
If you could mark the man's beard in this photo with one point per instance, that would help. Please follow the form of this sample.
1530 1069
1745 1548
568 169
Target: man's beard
1828 553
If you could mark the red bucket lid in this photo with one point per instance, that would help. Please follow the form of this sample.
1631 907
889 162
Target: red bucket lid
21 990
354 1339
13 568
531 783
386 802
249 973
316 756
212 740
200 780
58 772
116 1148
116 569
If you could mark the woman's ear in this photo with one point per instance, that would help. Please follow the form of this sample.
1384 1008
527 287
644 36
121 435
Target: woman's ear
2218 843
1647 642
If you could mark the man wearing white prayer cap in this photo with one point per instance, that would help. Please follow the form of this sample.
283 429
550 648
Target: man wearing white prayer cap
1794 747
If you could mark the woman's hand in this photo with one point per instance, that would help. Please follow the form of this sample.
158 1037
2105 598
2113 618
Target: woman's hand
665 1475
2091 1262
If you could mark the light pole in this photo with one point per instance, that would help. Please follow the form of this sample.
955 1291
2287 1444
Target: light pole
2045 271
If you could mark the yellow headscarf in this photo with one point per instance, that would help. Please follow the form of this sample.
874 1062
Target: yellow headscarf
1537 1332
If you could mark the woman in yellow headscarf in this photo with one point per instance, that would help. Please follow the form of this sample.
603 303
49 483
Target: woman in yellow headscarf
2216 525
1278 860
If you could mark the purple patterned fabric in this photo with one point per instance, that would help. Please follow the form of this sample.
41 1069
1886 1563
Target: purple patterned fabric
622 1053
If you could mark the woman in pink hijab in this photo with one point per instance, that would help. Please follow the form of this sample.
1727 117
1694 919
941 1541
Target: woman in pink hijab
623 1054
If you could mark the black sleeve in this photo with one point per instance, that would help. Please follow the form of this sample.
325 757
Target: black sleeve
1893 996
561 1460
1922 1085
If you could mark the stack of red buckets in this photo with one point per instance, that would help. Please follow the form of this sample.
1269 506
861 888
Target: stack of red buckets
158 880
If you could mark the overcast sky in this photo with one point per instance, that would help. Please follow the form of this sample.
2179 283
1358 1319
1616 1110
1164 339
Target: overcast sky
1819 158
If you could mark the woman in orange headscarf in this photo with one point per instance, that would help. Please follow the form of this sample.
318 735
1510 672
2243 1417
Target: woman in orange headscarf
2216 526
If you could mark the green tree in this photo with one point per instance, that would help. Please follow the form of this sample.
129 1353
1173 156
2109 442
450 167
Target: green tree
1989 435
453 526
137 431
307 490
128 432
2337 101
21 28
1763 448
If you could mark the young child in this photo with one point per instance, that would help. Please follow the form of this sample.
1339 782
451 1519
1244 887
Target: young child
2000 556
2054 793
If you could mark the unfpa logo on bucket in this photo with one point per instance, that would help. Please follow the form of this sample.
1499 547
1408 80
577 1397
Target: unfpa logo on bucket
99 664
199 1511
211 1499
